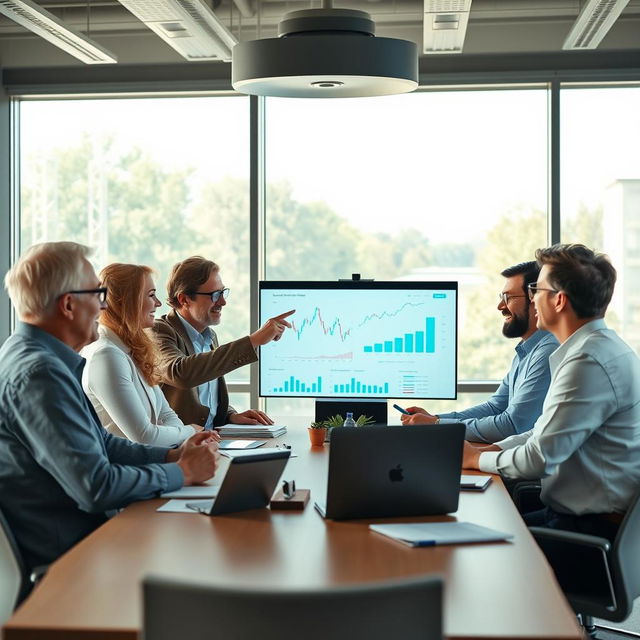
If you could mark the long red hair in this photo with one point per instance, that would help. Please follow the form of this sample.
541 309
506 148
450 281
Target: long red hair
123 315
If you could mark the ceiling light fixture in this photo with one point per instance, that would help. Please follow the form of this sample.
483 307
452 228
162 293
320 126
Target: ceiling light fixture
593 23
325 53
445 25
33 17
189 26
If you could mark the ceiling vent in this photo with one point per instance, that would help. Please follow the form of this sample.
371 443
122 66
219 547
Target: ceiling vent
33 17
325 53
189 26
445 25
593 23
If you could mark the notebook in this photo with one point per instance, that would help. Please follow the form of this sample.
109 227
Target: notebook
251 430
428 534
378 472
248 483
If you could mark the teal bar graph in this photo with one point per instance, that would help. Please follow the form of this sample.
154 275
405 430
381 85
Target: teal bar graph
300 386
416 342
431 335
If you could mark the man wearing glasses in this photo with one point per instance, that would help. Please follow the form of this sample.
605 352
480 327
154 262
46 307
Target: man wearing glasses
517 403
61 474
192 362
586 444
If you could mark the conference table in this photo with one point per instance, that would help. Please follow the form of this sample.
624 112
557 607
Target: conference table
498 591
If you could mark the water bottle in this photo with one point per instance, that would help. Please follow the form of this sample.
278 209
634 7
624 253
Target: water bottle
349 422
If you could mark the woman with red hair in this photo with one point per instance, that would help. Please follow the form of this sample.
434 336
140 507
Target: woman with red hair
120 376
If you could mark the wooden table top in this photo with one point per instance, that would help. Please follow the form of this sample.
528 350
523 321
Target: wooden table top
499 590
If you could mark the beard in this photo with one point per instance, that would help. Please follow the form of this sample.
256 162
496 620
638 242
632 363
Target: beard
517 326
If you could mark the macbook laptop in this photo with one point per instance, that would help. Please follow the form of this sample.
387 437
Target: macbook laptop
248 484
379 472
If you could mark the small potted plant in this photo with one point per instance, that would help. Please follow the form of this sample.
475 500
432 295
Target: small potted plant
317 433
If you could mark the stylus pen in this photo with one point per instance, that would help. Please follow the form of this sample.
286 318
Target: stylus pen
401 410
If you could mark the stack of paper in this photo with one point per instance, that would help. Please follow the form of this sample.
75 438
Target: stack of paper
251 430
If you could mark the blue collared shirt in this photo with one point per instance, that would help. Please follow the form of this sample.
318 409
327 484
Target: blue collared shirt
586 444
208 391
517 403
61 473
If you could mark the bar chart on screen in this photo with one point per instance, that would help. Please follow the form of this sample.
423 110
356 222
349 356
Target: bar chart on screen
393 341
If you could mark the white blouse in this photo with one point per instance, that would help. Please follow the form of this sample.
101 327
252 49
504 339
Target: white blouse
127 405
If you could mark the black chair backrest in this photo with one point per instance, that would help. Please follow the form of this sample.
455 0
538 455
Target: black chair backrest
625 559
409 609
12 583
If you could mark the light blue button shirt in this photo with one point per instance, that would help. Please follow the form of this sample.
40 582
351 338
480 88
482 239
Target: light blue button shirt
208 391
586 444
517 403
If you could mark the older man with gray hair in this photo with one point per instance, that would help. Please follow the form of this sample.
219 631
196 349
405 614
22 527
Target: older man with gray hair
61 474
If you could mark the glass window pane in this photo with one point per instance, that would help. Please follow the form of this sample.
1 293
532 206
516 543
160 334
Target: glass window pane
601 188
447 185
148 181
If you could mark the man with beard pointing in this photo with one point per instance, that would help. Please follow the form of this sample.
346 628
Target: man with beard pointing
517 403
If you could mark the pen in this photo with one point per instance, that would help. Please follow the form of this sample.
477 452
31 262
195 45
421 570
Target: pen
425 543
401 410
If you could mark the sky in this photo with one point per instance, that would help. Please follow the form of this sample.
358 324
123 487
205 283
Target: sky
449 163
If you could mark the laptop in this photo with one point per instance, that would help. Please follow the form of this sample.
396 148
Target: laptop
380 472
248 484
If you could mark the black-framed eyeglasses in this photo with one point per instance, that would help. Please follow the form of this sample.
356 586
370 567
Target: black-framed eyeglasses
101 292
214 295
534 288
505 297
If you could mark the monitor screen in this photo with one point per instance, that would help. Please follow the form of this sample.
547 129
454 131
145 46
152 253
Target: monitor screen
355 339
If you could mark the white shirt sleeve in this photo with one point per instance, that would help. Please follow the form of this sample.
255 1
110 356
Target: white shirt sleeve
110 380
578 402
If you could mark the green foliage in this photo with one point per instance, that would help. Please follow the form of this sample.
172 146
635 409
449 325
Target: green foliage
318 425
338 421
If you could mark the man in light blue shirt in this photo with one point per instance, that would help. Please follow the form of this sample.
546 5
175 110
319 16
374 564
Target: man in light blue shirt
517 403
585 446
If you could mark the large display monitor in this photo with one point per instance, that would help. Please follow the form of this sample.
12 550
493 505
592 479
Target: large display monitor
361 339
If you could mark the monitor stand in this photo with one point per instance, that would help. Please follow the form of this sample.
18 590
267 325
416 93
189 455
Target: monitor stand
377 408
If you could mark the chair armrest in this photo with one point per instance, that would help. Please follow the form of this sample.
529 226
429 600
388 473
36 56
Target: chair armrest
590 589
37 573
570 537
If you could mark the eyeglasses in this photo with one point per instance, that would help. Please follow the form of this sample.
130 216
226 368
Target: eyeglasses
101 292
505 297
534 288
214 295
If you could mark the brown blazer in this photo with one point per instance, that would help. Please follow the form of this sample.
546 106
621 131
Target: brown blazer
182 369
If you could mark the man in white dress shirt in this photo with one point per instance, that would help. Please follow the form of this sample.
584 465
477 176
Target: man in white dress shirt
586 444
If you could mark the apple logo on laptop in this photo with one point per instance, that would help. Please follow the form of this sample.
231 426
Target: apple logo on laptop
396 474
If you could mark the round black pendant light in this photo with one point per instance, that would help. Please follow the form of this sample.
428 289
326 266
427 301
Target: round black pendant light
325 53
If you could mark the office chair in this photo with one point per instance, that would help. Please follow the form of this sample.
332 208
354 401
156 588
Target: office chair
410 609
614 580
11 571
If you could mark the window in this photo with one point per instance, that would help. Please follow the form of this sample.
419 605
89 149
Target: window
148 181
600 188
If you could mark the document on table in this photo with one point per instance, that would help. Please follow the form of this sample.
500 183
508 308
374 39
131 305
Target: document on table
177 506
196 491
428 534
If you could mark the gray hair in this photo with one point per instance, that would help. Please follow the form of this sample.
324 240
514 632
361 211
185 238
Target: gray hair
42 274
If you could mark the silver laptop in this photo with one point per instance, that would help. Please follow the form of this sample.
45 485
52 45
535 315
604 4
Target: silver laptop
380 472
248 484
